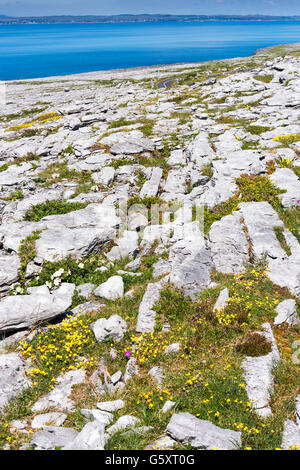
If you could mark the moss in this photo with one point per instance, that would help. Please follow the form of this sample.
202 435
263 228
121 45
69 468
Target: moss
254 345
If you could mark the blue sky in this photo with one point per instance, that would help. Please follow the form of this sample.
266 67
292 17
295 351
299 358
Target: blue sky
109 7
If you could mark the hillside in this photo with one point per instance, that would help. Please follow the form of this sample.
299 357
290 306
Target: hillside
150 258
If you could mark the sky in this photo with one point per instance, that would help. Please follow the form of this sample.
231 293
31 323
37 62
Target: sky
111 7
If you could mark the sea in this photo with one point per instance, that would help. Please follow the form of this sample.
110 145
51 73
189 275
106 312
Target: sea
42 50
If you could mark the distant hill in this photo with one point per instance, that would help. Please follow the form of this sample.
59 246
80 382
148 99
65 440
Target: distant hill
130 18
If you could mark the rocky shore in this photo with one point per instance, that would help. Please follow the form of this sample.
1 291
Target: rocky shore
150 257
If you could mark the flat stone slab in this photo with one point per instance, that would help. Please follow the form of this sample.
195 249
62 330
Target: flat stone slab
24 311
202 434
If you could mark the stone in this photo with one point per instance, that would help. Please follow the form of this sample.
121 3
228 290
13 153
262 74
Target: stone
87 307
124 422
112 289
115 378
168 406
228 243
125 246
52 437
131 369
172 348
9 270
24 311
158 374
112 328
150 187
222 300
146 315
163 443
105 176
58 397
202 434
90 438
258 376
111 406
13 378
50 419
286 180
290 436
286 312
85 290
98 415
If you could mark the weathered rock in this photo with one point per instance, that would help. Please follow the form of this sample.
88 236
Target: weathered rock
258 376
90 438
290 436
202 434
52 437
13 379
48 419
286 180
58 397
9 270
112 289
111 406
112 328
158 374
286 312
124 422
98 415
229 246
24 311
131 369
146 315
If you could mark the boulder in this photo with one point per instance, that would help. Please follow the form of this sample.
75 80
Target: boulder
112 328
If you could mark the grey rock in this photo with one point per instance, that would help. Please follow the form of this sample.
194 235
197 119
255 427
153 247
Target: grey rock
111 406
98 415
51 438
131 369
150 187
85 290
13 379
202 434
286 312
258 375
222 300
51 419
24 311
286 180
146 315
112 328
229 246
290 436
124 422
58 397
158 374
87 307
90 438
9 270
168 406
112 289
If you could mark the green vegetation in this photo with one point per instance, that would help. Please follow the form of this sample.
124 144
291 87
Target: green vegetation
264 78
39 211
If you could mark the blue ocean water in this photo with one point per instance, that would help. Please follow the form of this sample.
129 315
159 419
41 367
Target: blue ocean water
32 51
